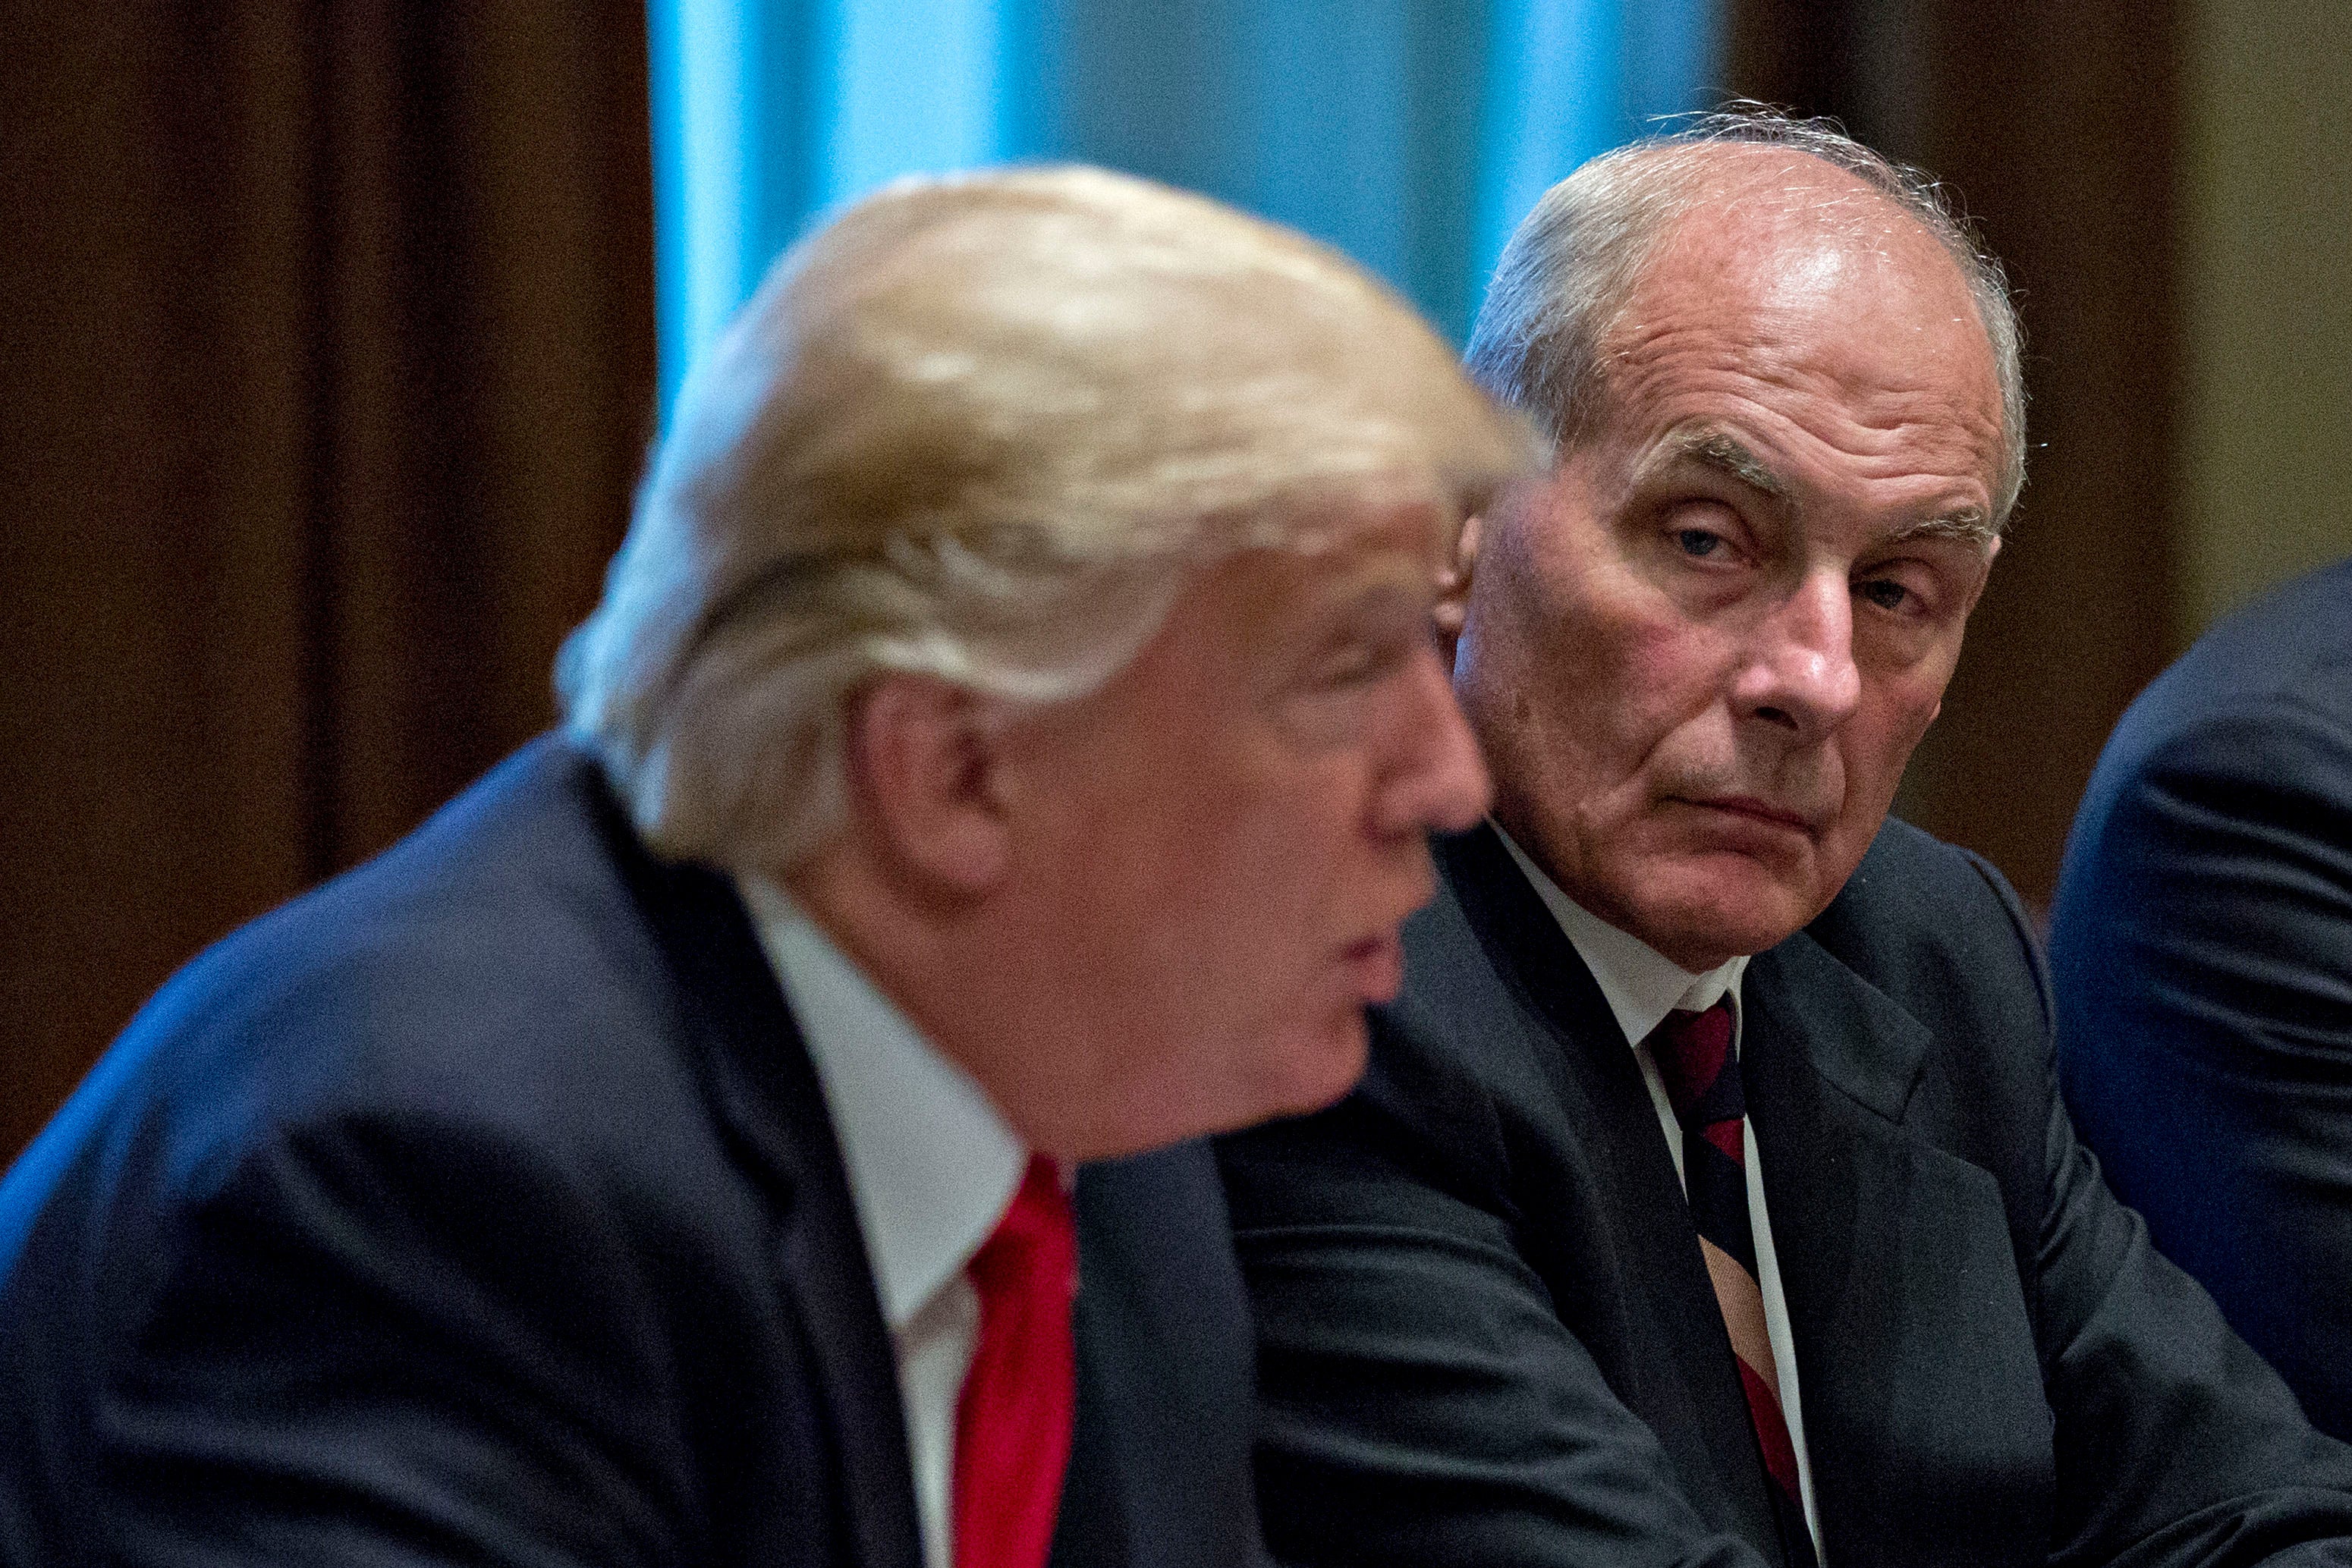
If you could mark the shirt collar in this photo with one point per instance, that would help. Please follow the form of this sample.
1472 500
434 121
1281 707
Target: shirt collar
1640 984
931 1164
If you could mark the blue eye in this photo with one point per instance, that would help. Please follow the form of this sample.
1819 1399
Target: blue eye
1885 594
1697 542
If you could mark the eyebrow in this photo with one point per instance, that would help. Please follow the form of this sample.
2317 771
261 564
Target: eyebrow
1966 525
1715 449
1725 455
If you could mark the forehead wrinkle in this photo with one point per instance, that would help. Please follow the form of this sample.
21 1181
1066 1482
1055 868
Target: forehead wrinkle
1867 424
1668 360
1720 452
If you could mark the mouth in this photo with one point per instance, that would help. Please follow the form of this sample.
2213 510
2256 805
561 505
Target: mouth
1375 966
1764 812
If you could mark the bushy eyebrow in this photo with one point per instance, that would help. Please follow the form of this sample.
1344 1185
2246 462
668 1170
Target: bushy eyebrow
1723 453
1715 449
1968 525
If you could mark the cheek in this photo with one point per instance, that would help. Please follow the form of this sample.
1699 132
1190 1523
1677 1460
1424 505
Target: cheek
1668 673
1883 737
1657 714
1299 849
1253 870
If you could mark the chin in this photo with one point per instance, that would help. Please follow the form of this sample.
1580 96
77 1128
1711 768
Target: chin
1321 1064
1297 1071
1723 919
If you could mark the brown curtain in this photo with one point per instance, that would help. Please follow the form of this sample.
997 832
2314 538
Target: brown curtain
326 368
2055 123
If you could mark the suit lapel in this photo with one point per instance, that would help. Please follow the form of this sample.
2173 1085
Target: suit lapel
767 1094
1896 1264
1160 1462
1652 1322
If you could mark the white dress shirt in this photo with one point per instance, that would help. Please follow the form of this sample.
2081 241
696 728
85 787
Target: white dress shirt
1642 985
932 1167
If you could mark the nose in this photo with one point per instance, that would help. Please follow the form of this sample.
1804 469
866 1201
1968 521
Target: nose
1436 781
1799 676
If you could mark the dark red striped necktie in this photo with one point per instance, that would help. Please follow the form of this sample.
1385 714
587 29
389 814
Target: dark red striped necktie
1014 1416
1693 1051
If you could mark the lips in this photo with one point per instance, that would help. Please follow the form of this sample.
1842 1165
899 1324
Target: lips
1376 965
1763 811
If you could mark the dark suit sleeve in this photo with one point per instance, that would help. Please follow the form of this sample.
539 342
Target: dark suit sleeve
2203 946
374 1342
1422 1403
2174 1444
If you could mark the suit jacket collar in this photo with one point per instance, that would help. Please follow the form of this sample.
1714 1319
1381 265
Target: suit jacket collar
766 1093
1850 1031
1852 1034
1522 940
1884 1238
1690 1395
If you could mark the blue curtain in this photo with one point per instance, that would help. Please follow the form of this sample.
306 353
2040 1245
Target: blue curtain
1412 133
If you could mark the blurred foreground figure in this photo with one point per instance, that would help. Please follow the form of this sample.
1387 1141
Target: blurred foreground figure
2201 953
1708 1197
1007 741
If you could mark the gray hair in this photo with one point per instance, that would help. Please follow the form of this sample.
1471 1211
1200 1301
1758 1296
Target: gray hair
1569 269
983 428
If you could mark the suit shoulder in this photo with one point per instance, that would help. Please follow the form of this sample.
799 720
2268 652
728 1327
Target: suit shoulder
1940 930
2212 789
2292 741
2281 644
487 973
1914 883
2273 669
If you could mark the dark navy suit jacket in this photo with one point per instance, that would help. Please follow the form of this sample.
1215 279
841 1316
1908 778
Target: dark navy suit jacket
1488 1339
481 1207
2201 951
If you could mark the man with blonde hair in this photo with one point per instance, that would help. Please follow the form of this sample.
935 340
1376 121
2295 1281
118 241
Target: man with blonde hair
1004 751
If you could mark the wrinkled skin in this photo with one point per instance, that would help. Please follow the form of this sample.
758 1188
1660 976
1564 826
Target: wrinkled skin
1699 655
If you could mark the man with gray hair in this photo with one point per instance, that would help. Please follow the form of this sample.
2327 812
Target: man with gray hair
1005 750
1708 1197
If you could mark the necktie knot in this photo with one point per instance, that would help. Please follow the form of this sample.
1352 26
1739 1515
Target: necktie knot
1035 1247
1693 1051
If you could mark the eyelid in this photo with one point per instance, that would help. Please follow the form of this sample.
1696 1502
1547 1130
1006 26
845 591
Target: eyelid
1909 593
1917 599
1727 521
1730 531
1366 655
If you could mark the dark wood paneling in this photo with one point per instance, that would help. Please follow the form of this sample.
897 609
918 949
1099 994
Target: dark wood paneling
324 382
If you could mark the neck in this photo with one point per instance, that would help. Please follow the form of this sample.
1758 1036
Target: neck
942 964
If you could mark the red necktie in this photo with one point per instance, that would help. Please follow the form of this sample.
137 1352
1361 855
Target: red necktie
1013 1419
1693 1051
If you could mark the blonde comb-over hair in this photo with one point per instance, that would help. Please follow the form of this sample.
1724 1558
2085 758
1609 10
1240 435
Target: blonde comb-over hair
982 428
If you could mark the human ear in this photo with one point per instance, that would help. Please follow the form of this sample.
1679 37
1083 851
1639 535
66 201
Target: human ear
1992 552
923 762
1453 589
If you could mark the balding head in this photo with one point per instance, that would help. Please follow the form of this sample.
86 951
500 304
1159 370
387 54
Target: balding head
1783 397
1545 337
